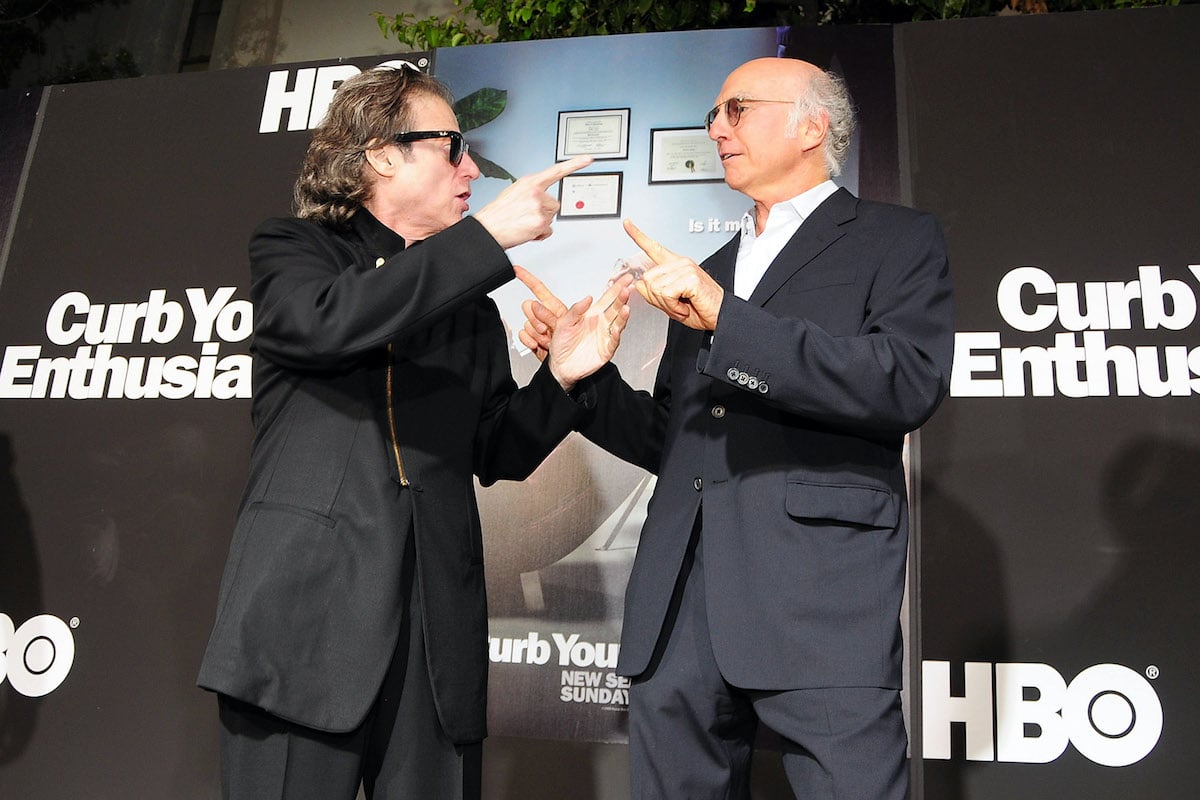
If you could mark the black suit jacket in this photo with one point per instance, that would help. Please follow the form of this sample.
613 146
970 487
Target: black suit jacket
784 430
310 603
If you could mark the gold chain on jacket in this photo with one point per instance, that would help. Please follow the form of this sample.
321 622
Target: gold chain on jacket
391 414
391 409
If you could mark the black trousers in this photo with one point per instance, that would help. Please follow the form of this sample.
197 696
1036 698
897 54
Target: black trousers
400 750
691 733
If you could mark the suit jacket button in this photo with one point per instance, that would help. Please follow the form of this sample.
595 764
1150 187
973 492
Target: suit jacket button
743 378
762 388
732 373
698 484
752 383
718 411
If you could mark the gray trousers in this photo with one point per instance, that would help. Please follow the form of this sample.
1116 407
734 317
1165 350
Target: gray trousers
691 733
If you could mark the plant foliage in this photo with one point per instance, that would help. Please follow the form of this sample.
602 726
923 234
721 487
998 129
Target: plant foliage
517 20
478 109
23 25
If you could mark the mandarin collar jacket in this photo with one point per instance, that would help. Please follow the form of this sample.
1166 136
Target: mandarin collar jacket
381 386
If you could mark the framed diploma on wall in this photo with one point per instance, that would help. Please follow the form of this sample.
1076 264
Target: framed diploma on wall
678 155
602 134
591 194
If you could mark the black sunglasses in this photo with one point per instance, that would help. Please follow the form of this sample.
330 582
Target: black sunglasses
458 145
734 107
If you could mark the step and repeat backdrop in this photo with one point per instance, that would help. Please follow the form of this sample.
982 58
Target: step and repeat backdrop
1051 628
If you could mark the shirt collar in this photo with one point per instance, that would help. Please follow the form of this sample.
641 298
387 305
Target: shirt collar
798 208
806 202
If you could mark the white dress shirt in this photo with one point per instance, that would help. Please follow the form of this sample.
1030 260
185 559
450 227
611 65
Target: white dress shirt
757 251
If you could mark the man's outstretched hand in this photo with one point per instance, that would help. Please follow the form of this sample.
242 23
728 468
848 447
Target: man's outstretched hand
676 285
578 339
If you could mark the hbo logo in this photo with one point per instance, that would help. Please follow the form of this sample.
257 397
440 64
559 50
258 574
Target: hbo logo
1109 712
36 657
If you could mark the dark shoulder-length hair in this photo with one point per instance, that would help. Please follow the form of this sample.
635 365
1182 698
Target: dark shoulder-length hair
365 112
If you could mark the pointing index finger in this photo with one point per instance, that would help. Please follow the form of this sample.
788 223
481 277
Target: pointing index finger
543 294
657 253
552 175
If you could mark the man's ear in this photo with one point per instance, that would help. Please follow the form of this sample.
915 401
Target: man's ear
382 160
813 130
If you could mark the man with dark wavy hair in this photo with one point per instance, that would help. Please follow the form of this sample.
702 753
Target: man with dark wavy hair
350 640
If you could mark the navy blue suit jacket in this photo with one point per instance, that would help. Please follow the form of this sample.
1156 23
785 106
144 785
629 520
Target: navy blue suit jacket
784 430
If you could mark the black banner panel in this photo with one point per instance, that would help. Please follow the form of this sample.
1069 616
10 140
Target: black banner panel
1058 612
124 413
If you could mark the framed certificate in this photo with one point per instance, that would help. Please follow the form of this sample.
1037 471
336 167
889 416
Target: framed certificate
683 154
590 194
600 134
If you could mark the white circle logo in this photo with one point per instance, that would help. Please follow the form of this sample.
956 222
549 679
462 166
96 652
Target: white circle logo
1114 715
37 656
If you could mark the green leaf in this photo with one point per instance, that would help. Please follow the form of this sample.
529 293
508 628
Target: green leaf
490 169
479 108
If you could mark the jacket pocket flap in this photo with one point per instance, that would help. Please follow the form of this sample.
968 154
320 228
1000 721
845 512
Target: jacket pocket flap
871 506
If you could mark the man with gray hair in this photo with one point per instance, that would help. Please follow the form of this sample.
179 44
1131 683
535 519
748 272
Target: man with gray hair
770 570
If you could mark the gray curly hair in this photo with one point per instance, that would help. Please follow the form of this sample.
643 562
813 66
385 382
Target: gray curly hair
826 95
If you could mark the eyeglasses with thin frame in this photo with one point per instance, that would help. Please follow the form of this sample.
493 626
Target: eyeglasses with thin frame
458 145
734 107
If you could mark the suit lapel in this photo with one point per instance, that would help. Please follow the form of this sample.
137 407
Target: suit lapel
721 263
822 228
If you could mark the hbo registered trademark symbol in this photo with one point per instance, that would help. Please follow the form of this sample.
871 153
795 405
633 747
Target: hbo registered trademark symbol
1151 672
